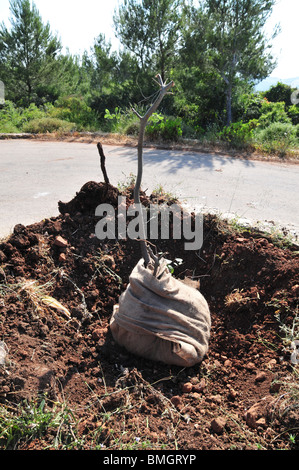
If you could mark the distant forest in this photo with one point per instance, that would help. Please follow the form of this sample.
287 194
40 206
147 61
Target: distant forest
215 53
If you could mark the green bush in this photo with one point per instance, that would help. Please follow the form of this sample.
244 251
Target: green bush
10 118
33 112
238 133
121 122
278 131
74 109
8 128
48 124
13 120
273 112
158 127
293 113
164 128
190 114
279 137
132 128
68 114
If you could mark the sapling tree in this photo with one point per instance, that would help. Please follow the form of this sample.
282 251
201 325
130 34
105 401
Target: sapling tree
164 89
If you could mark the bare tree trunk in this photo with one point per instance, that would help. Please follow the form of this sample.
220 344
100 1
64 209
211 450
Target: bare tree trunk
229 116
164 89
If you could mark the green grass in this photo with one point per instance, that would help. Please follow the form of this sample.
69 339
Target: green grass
20 424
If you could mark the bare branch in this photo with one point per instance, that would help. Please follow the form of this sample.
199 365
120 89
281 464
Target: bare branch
137 114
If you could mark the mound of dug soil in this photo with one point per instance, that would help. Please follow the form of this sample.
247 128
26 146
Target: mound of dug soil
58 285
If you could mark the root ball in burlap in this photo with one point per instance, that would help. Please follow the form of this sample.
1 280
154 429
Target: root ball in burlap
161 318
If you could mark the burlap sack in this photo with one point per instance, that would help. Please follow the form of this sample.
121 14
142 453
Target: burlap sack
161 318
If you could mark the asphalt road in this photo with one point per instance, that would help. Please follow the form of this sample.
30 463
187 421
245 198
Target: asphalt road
35 175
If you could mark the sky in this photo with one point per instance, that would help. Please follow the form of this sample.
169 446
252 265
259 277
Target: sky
78 23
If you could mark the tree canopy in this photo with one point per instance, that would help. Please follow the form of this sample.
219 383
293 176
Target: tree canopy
150 30
231 42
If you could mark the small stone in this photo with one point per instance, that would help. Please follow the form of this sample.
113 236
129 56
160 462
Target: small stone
217 363
199 388
61 242
257 411
261 422
272 363
215 399
232 393
275 387
154 437
228 363
109 261
295 289
96 334
250 417
176 401
260 376
250 366
194 380
187 387
62 258
218 424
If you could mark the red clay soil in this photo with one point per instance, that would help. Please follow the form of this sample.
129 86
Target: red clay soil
244 395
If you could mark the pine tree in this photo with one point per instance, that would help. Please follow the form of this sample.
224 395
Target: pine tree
27 53
150 29
238 47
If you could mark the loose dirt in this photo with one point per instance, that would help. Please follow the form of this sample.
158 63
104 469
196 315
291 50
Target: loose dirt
244 395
